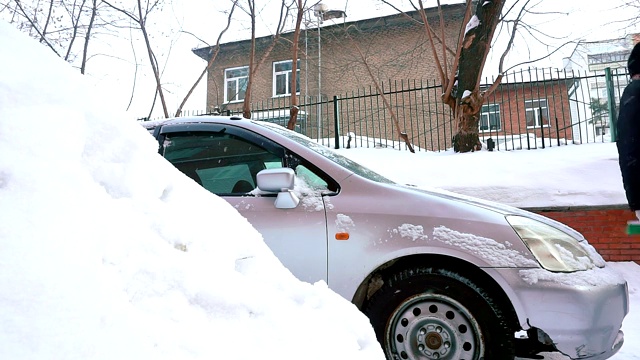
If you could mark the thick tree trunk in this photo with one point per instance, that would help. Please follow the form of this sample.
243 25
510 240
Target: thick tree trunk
467 117
475 48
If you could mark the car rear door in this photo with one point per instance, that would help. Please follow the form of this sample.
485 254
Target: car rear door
225 160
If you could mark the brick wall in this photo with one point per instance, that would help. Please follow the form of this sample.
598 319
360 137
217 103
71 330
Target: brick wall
603 226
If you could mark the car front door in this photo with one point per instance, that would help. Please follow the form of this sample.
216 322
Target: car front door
226 160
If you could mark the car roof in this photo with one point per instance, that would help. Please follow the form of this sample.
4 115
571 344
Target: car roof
194 119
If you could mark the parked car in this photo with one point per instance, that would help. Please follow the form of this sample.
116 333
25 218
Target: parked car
439 276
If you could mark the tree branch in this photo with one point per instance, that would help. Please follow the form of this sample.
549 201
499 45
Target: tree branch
35 27
210 62
441 71
446 96
385 101
87 36
498 80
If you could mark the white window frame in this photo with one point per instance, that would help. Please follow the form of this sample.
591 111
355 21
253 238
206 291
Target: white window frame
536 114
287 74
486 117
236 80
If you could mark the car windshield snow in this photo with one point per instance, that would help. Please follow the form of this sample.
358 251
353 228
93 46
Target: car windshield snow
327 153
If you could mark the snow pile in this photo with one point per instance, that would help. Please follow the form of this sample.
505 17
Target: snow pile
108 252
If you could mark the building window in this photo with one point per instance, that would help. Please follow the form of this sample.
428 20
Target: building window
282 78
236 80
490 117
536 113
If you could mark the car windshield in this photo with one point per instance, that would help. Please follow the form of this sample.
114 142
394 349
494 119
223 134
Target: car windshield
327 153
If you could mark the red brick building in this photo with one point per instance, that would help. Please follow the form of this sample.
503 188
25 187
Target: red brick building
394 47
537 105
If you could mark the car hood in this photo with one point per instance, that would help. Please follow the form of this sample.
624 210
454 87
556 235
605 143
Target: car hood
496 207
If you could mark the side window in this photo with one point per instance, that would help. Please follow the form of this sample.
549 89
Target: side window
311 177
222 163
312 180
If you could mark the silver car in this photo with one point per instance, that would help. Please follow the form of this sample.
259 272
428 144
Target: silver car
439 276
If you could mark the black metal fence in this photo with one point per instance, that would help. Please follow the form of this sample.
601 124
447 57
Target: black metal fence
531 109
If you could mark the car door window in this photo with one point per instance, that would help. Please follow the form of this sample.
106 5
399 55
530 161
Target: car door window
223 163
312 179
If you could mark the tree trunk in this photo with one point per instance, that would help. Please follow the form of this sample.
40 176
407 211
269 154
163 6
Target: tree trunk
246 104
293 112
210 62
475 48
152 59
253 64
75 22
94 9
468 116
46 24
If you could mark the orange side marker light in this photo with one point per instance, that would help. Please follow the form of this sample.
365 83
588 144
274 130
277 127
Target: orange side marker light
342 236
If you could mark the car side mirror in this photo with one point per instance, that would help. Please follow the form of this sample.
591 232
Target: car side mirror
280 180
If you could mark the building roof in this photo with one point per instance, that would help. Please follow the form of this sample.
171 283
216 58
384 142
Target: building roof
585 50
399 19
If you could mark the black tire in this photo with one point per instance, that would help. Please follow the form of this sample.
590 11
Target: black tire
423 311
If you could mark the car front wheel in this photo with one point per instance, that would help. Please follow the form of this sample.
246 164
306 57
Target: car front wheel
428 313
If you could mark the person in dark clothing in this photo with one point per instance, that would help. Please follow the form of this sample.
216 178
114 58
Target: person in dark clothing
628 133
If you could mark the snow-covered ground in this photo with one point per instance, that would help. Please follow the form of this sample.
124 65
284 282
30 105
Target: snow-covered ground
108 252
567 175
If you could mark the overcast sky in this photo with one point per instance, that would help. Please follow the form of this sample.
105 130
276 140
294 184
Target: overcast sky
569 21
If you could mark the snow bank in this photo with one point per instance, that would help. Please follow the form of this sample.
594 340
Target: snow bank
108 252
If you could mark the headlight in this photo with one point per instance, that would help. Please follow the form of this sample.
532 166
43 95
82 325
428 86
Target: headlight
554 249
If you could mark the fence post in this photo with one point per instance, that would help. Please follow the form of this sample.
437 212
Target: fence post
541 126
557 132
336 122
611 102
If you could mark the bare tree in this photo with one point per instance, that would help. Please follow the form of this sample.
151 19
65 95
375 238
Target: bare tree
253 65
139 15
246 106
94 10
632 11
473 50
293 112
57 24
402 135
26 17
214 55
460 71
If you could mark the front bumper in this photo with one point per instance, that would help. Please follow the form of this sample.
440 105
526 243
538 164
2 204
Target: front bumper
581 312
